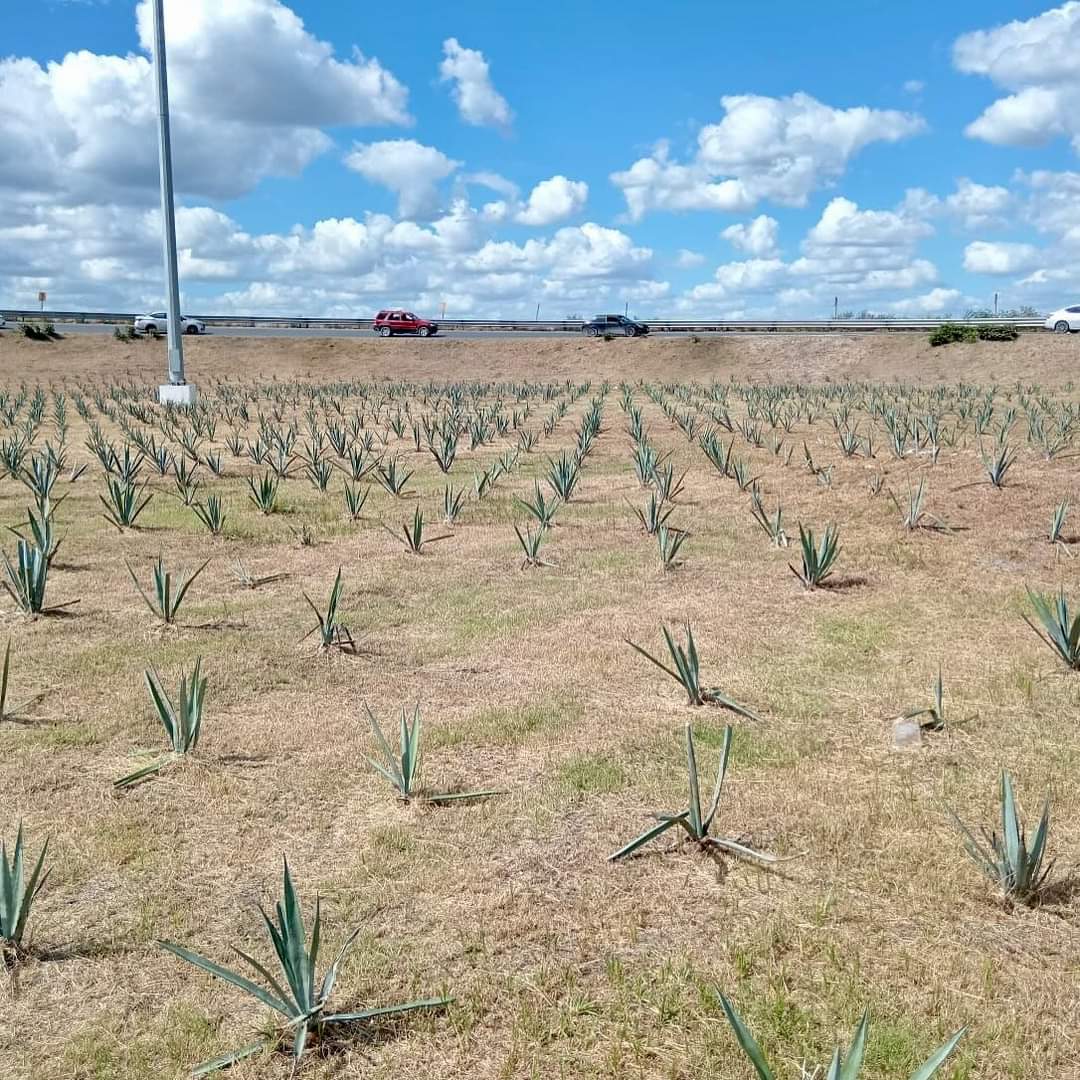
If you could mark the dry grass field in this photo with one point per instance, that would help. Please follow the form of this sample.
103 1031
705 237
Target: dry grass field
561 963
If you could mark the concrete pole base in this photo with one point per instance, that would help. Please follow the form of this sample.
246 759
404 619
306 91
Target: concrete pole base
183 395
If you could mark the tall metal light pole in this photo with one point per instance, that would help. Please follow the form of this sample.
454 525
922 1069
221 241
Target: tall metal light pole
177 391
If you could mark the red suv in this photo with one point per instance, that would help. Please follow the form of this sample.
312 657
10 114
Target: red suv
397 321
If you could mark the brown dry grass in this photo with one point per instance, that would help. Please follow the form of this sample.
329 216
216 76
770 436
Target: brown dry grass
562 965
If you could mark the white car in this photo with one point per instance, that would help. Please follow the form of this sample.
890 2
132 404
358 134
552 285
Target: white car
3 322
158 323
1064 320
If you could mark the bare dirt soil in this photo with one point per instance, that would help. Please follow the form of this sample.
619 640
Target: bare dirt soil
561 963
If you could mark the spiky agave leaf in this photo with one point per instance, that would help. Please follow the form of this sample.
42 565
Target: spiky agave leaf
817 558
1062 628
1005 858
18 893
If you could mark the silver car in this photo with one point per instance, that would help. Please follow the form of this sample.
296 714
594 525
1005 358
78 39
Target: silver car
158 323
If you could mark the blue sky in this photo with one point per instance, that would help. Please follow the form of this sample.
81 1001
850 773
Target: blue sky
726 159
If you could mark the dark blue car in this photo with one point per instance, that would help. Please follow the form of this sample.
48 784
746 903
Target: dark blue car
614 324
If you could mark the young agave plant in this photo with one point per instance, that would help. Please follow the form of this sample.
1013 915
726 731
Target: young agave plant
692 820
840 1068
17 896
935 714
333 634
393 477
817 559
654 515
1062 628
264 493
453 501
530 545
541 508
402 768
687 673
25 580
122 507
563 476
414 538
668 486
319 473
773 527
670 541
1006 859
248 580
42 532
998 464
295 996
355 497
182 723
167 598
211 514
1057 523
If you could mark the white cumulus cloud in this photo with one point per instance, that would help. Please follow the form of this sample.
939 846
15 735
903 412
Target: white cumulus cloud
554 200
1036 60
780 149
408 168
478 102
986 257
758 237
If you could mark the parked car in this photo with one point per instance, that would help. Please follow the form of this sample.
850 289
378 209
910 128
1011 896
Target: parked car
158 323
614 324
1064 320
397 321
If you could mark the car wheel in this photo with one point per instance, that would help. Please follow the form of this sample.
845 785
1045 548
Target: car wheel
384 331
423 331
590 331
630 331
1061 327
192 330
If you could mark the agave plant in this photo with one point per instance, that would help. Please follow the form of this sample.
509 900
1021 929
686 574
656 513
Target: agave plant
296 996
453 500
182 722
934 713
817 558
1006 859
997 464
670 541
541 508
17 895
1062 628
185 480
402 768
333 633
123 506
42 532
773 526
563 475
167 597
413 535
248 580
211 514
692 820
393 477
1057 523
25 580
840 1068
686 672
668 486
355 497
530 545
654 515
319 473
264 493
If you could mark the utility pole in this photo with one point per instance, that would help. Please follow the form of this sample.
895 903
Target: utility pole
995 305
836 307
177 391
537 312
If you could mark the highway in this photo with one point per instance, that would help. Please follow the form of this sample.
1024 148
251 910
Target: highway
75 328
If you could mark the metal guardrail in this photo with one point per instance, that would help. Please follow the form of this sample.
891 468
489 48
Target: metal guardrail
688 326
